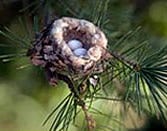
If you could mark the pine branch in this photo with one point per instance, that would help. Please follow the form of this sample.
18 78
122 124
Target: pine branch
131 76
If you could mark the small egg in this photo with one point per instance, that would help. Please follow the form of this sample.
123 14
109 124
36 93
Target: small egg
80 52
74 44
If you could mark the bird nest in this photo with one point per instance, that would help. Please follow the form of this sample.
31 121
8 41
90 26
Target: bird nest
69 46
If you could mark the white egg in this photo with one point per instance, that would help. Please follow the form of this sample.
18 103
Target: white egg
80 52
74 44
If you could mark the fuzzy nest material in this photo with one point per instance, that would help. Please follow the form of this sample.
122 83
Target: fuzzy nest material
69 46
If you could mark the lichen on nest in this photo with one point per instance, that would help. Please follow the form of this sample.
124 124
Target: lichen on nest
69 46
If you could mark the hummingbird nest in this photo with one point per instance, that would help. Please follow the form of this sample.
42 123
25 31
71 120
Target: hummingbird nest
69 46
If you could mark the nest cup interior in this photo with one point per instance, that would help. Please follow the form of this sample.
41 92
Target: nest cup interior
74 34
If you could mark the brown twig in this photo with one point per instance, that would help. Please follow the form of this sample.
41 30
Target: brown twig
90 121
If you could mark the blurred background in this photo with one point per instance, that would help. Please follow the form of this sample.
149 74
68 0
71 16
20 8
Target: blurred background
25 95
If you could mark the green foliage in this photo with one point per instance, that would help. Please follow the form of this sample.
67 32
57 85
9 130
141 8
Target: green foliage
134 80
